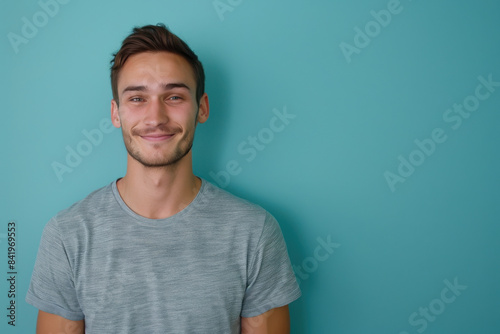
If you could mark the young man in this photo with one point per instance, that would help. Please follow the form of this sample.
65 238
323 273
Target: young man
161 250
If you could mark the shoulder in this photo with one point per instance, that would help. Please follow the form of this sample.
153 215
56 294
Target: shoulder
94 203
241 217
225 202
236 213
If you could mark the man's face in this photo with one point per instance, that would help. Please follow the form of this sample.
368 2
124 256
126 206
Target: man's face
158 111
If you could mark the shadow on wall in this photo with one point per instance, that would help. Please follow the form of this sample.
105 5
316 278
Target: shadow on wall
211 137
211 140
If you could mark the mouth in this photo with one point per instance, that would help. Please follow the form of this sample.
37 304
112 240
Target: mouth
157 137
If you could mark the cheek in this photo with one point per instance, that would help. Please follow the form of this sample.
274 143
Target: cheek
128 119
183 117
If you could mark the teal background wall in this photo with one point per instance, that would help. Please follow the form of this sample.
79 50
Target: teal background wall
382 166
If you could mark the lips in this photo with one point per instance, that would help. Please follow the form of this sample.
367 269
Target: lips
155 137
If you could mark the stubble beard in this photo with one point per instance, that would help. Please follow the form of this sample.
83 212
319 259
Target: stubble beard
162 159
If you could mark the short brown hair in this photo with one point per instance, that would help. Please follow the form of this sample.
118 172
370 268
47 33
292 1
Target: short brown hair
151 38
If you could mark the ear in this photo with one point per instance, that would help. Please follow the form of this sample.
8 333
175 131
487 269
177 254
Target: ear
203 109
115 116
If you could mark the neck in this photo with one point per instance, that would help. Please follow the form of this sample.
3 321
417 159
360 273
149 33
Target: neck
159 192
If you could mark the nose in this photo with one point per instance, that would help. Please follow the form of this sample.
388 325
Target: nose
156 113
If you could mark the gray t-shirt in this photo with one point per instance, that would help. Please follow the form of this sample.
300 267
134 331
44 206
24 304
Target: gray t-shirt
195 272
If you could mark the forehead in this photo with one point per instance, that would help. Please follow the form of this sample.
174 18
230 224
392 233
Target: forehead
156 68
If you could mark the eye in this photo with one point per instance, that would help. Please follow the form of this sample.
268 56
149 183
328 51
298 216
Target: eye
175 98
136 99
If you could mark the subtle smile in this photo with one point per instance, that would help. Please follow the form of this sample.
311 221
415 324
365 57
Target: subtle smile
158 137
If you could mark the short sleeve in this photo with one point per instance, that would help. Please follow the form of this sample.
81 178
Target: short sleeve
271 281
52 288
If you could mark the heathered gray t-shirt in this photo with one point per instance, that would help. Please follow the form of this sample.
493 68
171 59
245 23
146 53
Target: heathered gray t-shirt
195 272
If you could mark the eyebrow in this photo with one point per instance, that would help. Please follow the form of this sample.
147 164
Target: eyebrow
168 86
